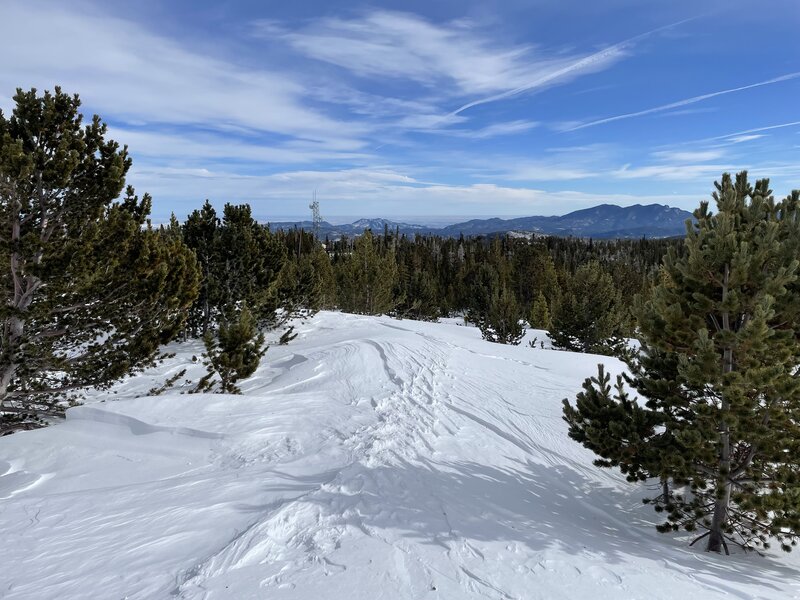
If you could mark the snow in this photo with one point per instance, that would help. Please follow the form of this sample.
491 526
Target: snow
370 458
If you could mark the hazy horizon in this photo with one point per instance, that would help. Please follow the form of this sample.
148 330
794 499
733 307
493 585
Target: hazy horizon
427 220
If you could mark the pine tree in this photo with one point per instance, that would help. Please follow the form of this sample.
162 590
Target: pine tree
540 313
418 298
241 263
306 284
483 283
326 279
720 419
250 260
233 352
533 274
90 290
587 316
502 323
367 278
200 233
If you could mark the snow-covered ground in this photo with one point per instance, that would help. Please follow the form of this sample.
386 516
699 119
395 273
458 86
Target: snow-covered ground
370 458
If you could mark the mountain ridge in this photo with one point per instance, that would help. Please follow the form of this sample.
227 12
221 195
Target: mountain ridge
605 221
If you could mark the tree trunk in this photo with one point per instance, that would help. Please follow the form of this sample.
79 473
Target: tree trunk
716 538
13 331
14 326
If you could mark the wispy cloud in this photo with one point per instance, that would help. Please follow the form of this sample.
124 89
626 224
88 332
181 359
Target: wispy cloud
747 132
549 171
454 59
591 63
673 172
212 148
679 156
601 162
738 139
409 47
684 102
490 131
134 75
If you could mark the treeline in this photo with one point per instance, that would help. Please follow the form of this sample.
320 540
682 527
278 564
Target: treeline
545 281
581 290
254 279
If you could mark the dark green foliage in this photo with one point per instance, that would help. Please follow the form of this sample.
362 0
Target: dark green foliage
718 375
324 296
250 260
440 276
306 284
241 263
366 277
539 317
502 322
253 279
234 353
483 284
417 291
418 299
90 290
200 234
616 428
534 274
287 336
587 315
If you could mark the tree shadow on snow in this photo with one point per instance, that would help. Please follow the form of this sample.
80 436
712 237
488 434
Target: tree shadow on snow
534 505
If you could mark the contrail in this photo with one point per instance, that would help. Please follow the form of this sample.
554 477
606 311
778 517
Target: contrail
756 130
684 102
582 63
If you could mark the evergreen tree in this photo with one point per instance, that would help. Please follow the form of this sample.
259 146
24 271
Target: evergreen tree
323 268
503 321
234 352
540 313
306 284
241 263
534 274
90 290
250 260
720 420
483 283
200 233
587 318
418 298
367 278
463 274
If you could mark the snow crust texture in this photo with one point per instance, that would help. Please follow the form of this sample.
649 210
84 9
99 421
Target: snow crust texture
369 459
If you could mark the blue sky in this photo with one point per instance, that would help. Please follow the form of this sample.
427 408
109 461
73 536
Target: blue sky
425 109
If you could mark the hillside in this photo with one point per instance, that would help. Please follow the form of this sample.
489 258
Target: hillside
603 221
369 459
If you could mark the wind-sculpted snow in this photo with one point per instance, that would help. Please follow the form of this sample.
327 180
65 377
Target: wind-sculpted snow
369 459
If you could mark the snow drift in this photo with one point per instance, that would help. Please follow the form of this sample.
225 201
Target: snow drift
370 458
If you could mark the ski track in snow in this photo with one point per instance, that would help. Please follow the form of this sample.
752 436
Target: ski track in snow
369 459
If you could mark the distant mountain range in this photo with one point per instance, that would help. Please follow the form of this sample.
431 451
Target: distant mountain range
605 221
